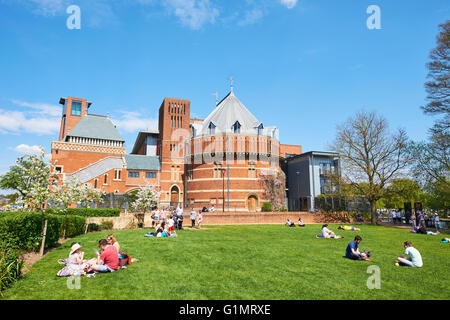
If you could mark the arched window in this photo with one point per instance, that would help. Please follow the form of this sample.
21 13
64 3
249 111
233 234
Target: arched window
212 128
236 127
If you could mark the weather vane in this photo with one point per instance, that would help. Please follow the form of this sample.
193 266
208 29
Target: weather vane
231 83
216 94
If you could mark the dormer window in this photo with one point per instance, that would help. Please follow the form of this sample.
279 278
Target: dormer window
260 129
236 127
212 128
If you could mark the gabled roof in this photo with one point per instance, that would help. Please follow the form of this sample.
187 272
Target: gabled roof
139 162
96 127
227 112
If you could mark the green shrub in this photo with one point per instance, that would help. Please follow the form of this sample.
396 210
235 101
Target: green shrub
23 230
283 209
93 227
87 212
106 225
10 267
267 207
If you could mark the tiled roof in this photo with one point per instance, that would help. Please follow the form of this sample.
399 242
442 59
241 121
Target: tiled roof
139 162
96 127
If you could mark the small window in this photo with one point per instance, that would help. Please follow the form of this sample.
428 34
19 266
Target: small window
133 174
76 108
260 129
236 127
150 175
117 175
105 181
212 128
58 169
95 183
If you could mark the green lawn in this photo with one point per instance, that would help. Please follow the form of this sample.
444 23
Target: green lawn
249 262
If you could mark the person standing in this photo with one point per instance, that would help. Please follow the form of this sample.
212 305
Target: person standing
193 215
163 216
436 221
200 218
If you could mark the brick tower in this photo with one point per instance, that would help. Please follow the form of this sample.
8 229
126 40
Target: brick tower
73 110
174 118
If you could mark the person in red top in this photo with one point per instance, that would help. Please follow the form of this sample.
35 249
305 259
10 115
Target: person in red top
108 260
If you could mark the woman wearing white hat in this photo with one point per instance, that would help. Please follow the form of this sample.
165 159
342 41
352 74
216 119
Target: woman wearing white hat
75 262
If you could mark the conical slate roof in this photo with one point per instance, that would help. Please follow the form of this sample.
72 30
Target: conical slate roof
227 112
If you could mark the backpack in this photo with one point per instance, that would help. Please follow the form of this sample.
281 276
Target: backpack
124 259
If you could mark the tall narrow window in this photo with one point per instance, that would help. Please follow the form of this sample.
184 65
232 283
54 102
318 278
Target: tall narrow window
237 127
105 181
95 183
260 129
212 128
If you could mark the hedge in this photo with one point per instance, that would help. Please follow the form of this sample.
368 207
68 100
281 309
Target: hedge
266 207
23 230
87 212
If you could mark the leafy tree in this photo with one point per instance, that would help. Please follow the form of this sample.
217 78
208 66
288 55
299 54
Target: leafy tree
401 191
370 154
439 74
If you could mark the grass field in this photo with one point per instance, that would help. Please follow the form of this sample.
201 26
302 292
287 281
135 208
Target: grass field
267 262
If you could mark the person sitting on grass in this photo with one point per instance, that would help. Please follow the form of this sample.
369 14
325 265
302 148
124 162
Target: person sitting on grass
300 223
75 263
349 228
352 251
108 260
112 241
327 233
411 258
290 223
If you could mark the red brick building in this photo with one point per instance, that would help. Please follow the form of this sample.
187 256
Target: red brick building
193 162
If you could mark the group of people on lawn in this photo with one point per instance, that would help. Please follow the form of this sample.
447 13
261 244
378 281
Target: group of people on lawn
174 218
109 260
411 257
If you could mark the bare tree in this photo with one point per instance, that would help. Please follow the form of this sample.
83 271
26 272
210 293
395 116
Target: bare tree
371 156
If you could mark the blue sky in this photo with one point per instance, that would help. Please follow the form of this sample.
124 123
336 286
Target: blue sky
304 66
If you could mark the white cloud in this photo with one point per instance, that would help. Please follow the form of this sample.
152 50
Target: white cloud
26 149
42 108
132 122
43 119
289 3
193 13
251 17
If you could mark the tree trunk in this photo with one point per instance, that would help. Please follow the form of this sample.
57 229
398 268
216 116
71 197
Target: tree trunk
373 211
65 224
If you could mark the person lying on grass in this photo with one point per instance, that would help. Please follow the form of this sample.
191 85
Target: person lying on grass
300 223
290 223
411 258
327 233
422 230
349 228
352 251
108 260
